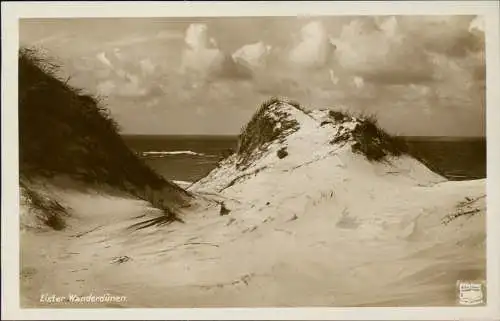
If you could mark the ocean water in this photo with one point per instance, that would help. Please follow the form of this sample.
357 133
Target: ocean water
456 158
189 158
181 158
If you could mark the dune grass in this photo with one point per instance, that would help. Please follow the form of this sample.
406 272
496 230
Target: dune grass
338 116
264 127
368 138
374 142
65 131
48 211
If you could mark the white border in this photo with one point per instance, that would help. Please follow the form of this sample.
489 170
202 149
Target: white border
12 11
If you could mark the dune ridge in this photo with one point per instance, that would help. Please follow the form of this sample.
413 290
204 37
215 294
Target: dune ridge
315 208
65 132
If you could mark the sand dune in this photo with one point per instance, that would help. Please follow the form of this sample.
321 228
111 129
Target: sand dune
321 226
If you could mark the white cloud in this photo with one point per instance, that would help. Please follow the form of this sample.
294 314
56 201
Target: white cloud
477 24
380 51
147 67
198 57
333 78
131 88
313 48
213 43
118 54
114 60
102 58
389 27
418 63
360 47
359 82
106 87
197 36
252 55
203 60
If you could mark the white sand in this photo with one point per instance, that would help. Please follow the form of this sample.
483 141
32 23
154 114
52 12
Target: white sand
183 184
320 227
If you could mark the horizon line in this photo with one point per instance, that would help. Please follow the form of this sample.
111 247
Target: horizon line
237 134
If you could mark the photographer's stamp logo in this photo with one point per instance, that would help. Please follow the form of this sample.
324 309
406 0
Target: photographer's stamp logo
471 292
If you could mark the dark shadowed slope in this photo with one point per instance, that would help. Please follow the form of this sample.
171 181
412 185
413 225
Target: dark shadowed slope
63 131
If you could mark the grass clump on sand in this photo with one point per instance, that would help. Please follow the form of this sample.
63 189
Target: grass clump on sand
367 137
268 124
373 142
338 116
282 153
64 131
49 211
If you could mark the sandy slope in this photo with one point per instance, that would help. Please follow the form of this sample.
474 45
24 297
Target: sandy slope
321 258
320 227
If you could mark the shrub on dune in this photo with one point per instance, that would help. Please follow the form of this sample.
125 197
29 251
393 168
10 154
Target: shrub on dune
375 143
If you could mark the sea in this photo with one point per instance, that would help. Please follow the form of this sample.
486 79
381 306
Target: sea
189 158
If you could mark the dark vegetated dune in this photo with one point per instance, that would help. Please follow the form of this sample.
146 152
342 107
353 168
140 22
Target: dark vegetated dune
64 131
375 143
271 123
263 128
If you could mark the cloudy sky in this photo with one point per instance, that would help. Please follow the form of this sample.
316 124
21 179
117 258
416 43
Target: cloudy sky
421 75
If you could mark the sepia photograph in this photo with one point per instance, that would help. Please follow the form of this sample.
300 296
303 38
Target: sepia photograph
252 161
